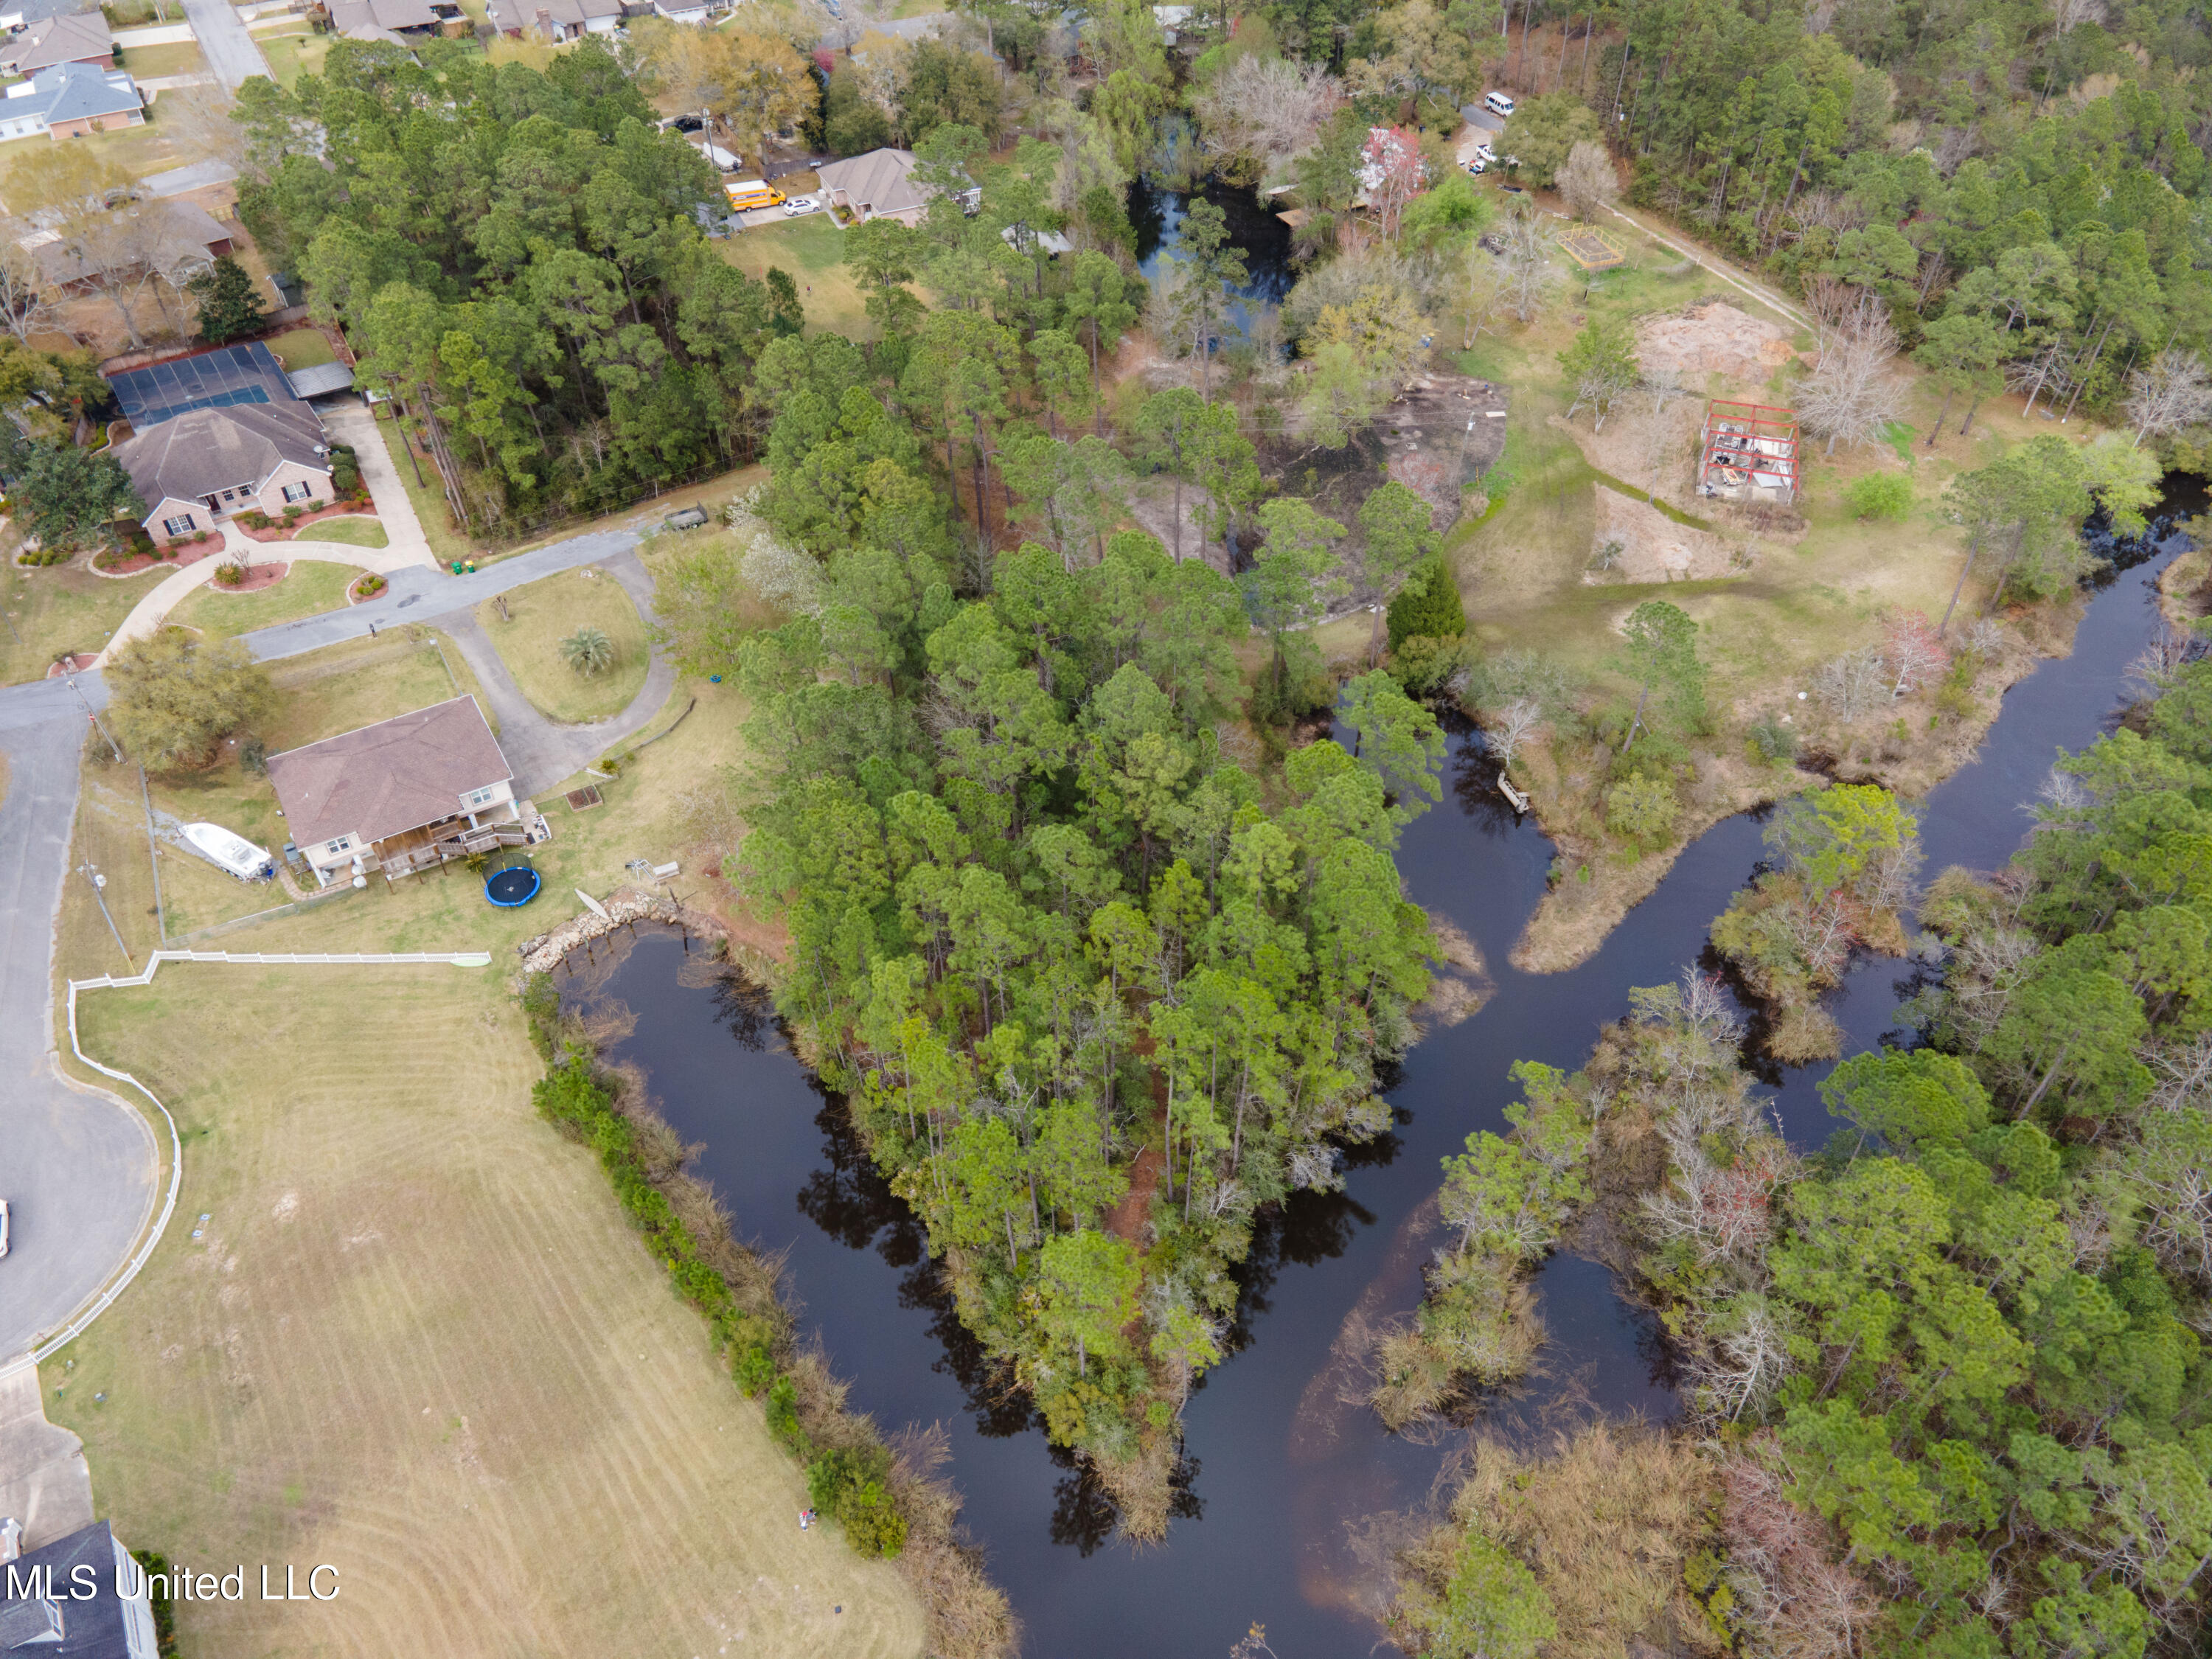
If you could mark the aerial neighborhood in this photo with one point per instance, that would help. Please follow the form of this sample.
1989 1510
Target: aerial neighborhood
1252 830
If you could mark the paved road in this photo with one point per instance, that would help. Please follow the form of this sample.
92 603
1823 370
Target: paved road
225 42
78 1168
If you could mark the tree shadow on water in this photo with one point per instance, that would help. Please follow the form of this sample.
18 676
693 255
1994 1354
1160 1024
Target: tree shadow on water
747 1009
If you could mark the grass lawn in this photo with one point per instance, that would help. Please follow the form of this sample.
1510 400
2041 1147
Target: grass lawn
417 1339
644 814
171 57
313 586
291 56
356 530
302 348
62 608
812 249
321 694
539 616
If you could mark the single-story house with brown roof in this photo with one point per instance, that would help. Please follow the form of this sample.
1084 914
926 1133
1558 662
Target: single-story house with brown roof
881 184
207 464
401 795
73 37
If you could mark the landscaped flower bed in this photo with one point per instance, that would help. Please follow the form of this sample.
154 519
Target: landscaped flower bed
140 558
369 587
252 579
260 527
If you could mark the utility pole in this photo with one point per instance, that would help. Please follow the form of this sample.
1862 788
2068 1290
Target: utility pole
100 892
70 680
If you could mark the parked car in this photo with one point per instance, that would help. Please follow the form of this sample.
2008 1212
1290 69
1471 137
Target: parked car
4 1226
1484 152
1497 103
1478 167
799 204
690 518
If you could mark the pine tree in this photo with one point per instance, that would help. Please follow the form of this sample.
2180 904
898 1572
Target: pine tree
229 307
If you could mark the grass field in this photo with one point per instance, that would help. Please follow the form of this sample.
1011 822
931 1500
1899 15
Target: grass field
171 57
303 348
354 530
537 617
291 56
62 608
418 1340
812 249
312 586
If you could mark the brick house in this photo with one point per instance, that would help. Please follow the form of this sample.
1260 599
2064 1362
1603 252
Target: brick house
69 100
71 38
204 466
217 433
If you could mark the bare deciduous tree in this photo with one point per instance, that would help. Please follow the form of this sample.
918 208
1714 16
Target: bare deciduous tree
1513 726
1526 261
25 307
1268 108
1488 283
1852 396
1588 182
1852 684
2171 391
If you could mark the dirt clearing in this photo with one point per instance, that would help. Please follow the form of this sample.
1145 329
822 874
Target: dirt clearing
1713 337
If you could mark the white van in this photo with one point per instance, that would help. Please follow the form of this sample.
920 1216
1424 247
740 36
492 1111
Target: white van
1497 103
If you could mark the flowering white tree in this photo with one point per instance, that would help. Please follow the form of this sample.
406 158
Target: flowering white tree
1392 173
2171 391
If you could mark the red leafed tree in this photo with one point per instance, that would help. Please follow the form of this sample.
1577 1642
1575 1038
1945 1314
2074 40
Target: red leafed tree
1392 173
1914 653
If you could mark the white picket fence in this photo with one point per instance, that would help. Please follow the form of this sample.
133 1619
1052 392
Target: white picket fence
76 1327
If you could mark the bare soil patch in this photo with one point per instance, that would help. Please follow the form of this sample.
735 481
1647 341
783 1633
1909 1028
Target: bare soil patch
1713 337
1653 548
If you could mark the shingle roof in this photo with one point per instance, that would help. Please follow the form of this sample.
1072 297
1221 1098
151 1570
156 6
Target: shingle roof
209 450
64 40
347 15
76 91
879 180
389 778
572 14
92 1628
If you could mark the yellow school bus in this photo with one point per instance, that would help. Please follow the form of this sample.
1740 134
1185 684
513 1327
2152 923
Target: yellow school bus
747 193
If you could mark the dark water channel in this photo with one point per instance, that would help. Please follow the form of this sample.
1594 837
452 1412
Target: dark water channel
1156 213
1281 1471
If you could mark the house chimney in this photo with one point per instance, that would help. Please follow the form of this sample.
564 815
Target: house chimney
11 1538
545 21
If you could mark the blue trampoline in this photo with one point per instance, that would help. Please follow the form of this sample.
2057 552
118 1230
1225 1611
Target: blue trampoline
512 888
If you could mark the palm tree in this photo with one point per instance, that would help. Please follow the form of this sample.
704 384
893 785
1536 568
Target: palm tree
588 650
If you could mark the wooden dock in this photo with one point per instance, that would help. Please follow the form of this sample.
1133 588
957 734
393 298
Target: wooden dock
1505 787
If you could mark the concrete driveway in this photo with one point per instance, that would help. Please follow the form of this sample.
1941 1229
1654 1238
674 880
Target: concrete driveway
77 1168
225 42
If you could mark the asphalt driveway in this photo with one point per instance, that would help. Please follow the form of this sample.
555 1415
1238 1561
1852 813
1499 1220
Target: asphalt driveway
225 42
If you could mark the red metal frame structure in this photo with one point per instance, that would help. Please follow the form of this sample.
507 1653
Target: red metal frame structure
1744 446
